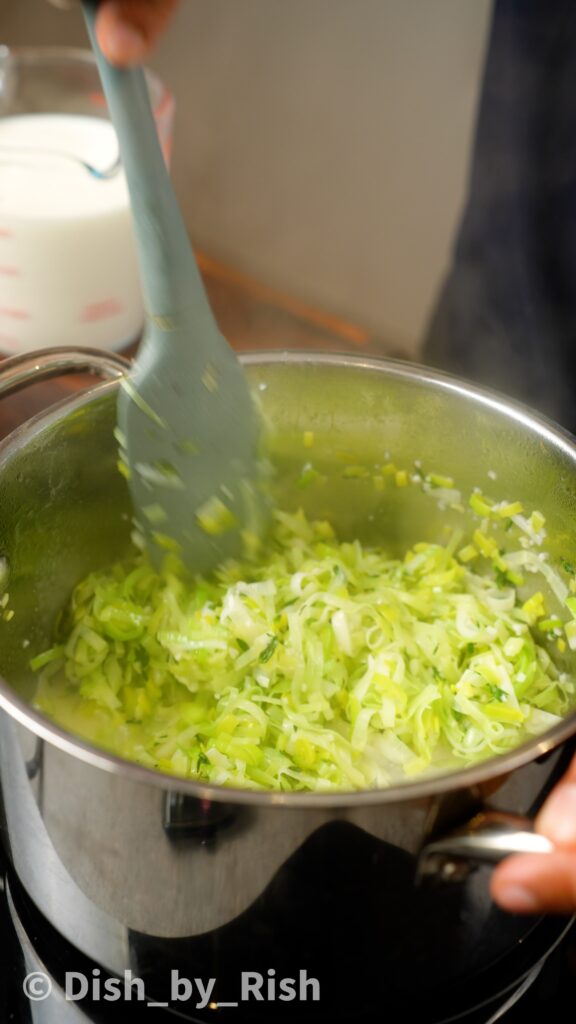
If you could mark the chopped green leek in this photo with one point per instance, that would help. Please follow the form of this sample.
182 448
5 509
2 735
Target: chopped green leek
323 665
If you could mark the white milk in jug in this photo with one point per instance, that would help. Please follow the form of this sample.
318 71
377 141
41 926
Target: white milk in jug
68 270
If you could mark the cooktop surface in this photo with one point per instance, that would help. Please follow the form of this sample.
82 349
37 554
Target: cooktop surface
44 980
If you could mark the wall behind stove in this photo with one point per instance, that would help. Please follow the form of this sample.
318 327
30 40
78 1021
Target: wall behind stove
321 145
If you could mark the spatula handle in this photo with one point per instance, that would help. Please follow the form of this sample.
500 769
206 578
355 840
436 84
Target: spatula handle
170 277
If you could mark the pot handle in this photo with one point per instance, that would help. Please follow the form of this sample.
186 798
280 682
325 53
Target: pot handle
486 839
18 372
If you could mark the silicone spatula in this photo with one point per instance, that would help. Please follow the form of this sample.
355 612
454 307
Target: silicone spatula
188 426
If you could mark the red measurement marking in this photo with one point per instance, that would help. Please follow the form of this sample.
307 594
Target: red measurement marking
15 314
5 233
97 99
166 106
100 310
9 271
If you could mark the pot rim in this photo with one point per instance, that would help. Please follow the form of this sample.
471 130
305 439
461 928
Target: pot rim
429 786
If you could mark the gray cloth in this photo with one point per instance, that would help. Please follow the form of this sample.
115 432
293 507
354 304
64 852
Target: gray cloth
506 315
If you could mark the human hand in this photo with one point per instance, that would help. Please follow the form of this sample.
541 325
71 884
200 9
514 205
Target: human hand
539 883
128 29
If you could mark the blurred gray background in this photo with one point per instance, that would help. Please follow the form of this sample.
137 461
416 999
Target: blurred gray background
320 145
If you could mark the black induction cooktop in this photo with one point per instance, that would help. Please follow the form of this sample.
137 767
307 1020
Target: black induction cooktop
539 976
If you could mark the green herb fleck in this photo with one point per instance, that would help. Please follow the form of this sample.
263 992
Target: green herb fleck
269 650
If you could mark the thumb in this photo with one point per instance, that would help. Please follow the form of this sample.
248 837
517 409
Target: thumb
544 882
128 29
536 883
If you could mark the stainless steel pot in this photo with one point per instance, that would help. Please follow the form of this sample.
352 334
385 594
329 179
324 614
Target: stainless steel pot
121 859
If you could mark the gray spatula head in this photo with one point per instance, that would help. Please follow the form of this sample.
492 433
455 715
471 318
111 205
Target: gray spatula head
188 426
189 435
